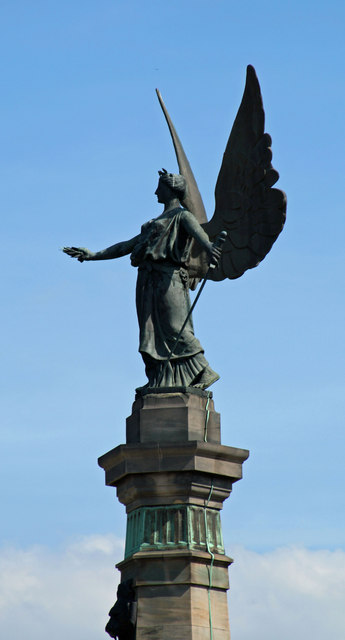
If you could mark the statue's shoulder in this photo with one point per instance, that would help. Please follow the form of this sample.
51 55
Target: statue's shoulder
147 224
185 213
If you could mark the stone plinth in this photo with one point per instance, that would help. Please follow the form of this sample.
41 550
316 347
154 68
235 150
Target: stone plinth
173 417
173 476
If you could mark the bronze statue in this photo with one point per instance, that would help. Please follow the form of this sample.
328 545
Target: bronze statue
172 252
123 615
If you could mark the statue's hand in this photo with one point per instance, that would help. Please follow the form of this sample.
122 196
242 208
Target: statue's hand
79 252
214 256
215 249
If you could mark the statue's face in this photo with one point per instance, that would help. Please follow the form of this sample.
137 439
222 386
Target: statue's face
163 192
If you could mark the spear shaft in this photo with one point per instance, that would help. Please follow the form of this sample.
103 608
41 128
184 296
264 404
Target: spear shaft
218 244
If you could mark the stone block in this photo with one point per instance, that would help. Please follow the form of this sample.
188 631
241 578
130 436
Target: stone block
178 566
173 417
173 594
172 488
182 612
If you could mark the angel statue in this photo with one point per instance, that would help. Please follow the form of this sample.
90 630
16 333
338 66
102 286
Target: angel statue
175 250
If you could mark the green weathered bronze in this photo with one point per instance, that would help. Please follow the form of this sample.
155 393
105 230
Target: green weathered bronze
173 251
173 527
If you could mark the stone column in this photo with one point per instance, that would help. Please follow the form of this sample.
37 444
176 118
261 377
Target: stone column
173 476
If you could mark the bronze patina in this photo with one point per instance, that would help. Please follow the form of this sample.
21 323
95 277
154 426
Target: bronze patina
173 251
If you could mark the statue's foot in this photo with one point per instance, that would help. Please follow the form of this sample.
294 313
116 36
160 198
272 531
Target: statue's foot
145 386
207 377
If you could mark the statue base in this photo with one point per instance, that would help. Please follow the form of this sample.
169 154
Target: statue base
173 476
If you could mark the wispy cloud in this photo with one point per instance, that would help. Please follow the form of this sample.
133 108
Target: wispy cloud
65 593
288 592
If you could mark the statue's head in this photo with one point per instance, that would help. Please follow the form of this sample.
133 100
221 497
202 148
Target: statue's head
173 182
125 590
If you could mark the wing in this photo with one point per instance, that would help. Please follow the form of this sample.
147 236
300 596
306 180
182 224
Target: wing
247 207
198 263
193 201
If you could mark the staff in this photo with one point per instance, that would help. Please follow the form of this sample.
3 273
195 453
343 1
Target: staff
218 243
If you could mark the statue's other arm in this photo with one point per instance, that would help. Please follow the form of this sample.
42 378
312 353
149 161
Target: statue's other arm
115 251
194 229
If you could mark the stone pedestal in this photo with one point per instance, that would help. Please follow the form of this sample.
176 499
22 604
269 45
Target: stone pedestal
173 476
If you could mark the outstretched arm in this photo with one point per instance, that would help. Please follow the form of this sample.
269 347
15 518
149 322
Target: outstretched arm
115 251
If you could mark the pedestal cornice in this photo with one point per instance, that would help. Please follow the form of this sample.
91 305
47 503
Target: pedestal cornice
155 457
158 474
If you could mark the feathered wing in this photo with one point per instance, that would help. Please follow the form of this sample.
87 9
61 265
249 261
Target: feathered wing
247 207
198 264
193 201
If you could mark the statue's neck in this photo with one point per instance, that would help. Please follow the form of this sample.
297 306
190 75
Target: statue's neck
172 204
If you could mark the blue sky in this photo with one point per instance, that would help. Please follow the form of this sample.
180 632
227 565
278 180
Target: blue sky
82 139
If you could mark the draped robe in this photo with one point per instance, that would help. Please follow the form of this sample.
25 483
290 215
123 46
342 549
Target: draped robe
163 302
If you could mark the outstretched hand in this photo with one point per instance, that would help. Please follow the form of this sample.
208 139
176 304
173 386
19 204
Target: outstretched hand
78 252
